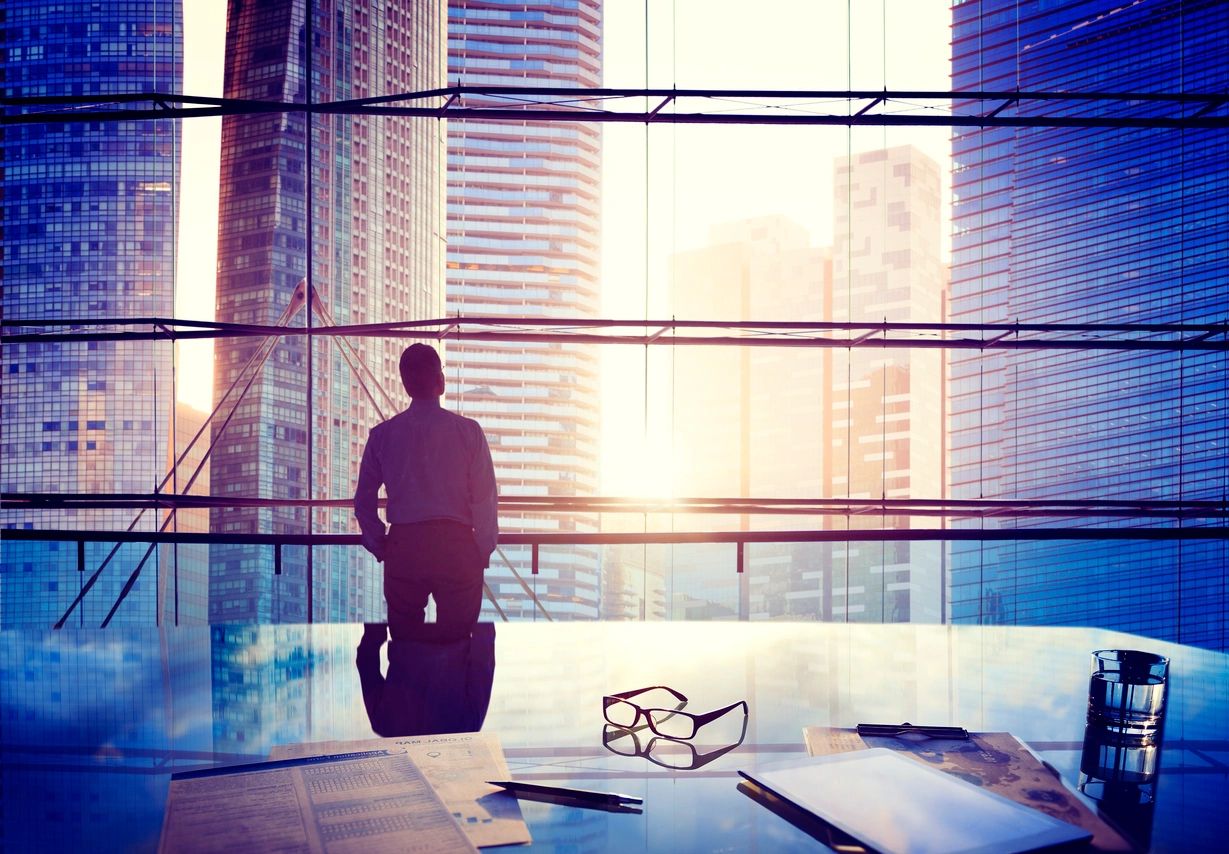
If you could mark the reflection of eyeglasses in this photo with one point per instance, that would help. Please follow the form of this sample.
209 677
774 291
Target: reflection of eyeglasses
666 752
671 723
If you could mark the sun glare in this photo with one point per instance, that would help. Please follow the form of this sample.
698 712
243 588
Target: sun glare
642 469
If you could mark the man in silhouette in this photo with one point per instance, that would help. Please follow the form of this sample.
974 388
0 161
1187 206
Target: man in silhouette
436 468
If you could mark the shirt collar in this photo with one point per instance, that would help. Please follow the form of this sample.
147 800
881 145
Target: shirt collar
424 404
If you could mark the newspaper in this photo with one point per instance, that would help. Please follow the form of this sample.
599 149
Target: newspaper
457 766
370 802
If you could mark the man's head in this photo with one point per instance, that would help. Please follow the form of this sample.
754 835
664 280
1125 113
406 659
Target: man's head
421 371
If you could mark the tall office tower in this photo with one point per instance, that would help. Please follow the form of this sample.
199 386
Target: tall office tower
89 232
376 256
885 413
523 207
747 420
1104 226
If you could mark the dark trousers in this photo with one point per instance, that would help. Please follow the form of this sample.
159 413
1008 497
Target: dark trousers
439 559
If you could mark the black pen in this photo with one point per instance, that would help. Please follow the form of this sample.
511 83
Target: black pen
517 788
897 730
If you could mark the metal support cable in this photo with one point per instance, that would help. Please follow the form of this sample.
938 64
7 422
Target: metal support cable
267 347
356 362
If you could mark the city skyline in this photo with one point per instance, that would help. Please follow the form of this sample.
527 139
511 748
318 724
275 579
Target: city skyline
574 219
692 189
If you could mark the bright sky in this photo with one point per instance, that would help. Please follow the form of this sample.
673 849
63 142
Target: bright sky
696 176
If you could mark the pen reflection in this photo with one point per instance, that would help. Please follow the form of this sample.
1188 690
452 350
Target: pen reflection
430 688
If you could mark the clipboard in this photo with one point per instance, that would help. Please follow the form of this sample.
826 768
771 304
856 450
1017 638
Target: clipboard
899 806
997 760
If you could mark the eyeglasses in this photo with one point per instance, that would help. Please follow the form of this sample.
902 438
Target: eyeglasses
671 723
669 753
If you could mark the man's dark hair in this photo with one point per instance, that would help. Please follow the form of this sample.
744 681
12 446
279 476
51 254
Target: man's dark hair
420 370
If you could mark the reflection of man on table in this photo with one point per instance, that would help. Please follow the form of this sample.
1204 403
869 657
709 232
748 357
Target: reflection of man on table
430 688
441 510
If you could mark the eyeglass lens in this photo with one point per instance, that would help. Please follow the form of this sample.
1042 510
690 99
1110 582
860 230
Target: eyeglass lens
671 723
621 713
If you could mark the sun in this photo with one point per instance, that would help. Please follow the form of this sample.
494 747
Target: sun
641 467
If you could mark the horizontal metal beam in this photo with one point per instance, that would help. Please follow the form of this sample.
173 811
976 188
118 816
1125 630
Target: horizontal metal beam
1207 337
653 538
1016 327
796 107
948 508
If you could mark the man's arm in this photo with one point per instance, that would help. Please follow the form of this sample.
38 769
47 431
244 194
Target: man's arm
367 500
483 497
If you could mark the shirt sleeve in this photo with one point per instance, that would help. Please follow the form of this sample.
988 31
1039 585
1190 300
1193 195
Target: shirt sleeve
367 500
483 496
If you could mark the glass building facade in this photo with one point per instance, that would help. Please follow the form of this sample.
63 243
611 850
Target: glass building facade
89 232
884 414
752 418
1091 225
523 241
371 202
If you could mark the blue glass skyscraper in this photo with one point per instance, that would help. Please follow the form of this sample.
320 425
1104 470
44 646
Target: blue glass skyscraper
1095 226
89 232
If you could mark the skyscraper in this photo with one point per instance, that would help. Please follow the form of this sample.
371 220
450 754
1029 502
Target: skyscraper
89 232
885 411
375 255
523 207
748 420
1091 225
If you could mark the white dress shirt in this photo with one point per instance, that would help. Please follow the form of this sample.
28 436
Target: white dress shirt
435 464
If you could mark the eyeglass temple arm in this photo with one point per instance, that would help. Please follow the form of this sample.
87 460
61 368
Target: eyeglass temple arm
629 694
713 715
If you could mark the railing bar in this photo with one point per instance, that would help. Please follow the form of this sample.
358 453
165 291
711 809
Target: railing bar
818 506
677 537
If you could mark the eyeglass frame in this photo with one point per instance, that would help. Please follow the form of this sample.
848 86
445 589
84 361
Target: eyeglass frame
697 721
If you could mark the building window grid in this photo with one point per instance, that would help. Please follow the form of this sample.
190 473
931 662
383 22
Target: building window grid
1061 257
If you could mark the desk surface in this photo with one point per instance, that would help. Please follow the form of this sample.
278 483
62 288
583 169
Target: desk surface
94 722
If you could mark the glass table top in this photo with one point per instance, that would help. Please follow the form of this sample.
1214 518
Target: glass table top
95 721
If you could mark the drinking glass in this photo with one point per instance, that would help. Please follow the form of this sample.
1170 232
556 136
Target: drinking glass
1126 693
